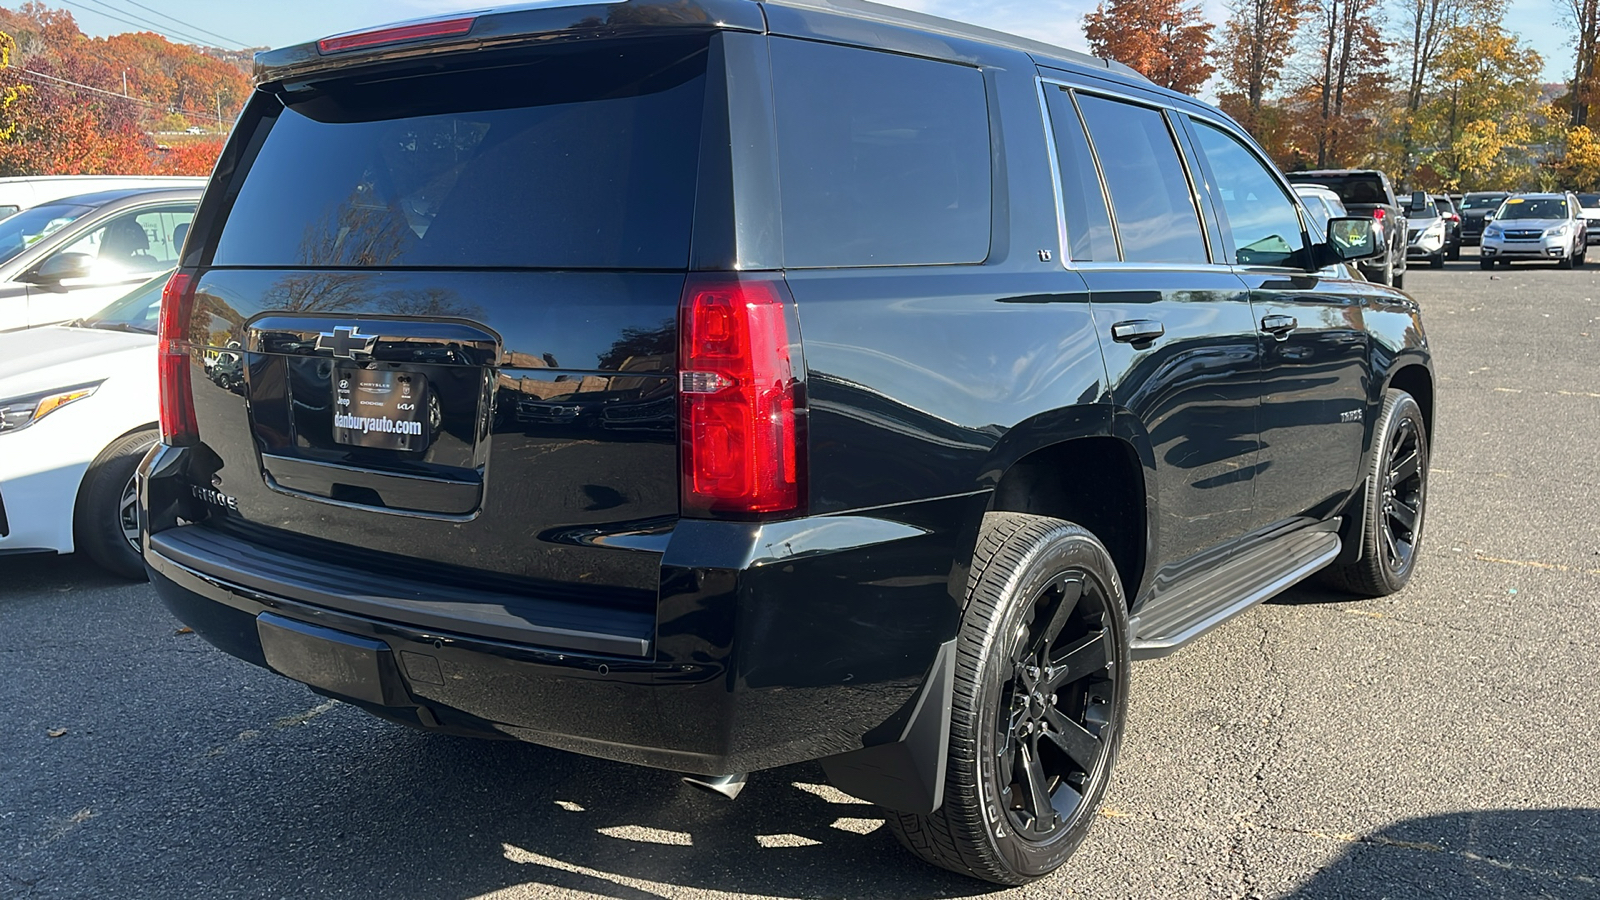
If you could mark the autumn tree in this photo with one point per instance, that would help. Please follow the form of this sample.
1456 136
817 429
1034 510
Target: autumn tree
1579 163
1259 35
1477 117
1168 41
1346 83
1583 17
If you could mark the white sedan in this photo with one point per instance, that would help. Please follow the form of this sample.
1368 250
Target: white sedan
78 409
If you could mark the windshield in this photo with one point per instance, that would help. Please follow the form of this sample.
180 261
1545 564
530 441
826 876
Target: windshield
1482 201
138 311
23 230
1533 208
1367 189
1589 201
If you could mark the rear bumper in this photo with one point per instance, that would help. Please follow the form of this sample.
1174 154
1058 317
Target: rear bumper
772 644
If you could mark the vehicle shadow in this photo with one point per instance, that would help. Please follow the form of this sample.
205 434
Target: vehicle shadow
1494 853
533 821
41 572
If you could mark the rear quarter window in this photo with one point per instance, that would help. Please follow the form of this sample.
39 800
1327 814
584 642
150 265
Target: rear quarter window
576 159
883 159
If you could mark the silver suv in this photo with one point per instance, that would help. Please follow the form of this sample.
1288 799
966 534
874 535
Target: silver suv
1536 226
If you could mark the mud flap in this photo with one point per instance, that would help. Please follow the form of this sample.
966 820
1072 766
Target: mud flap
906 771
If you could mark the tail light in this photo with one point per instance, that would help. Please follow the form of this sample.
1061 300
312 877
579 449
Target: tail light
396 34
1377 214
178 426
739 421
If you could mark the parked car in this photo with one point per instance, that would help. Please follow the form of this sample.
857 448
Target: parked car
1475 206
25 192
1037 425
77 412
1536 226
1589 209
1322 204
1366 192
1449 211
67 258
1427 230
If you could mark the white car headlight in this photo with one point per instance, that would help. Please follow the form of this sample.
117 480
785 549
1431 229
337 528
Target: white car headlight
1558 231
1491 231
20 412
1436 228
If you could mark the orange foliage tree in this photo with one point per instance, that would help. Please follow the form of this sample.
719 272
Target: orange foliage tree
1168 41
75 105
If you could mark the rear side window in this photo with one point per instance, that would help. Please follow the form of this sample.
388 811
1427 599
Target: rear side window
1150 198
575 159
1089 234
884 159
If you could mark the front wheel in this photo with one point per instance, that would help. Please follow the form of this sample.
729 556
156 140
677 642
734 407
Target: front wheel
1436 261
106 519
1394 503
1485 263
1041 693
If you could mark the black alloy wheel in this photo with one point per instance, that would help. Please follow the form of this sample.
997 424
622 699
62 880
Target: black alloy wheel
1038 703
1056 708
1403 495
1389 520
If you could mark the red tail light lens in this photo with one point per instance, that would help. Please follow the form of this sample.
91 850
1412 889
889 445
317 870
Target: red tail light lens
1378 214
396 34
178 426
739 425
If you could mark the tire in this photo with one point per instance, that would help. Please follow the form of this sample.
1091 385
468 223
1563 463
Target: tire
1567 261
1399 281
103 502
1455 253
1436 261
1041 589
1395 489
1485 263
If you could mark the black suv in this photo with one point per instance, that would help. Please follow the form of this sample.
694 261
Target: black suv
717 385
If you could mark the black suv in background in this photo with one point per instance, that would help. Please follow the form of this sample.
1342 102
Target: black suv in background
1474 207
716 385
1367 192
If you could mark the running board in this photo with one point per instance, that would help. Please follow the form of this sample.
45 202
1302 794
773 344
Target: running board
1240 583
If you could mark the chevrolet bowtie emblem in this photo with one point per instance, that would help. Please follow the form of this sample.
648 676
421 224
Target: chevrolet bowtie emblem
349 343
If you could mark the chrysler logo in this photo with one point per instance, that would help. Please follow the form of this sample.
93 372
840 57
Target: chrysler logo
349 343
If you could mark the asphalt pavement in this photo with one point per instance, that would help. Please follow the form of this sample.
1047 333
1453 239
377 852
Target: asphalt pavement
1441 742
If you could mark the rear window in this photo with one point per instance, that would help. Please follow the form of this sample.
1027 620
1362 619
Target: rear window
885 158
1350 188
1482 201
568 160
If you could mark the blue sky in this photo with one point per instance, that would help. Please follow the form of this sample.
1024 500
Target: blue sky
279 22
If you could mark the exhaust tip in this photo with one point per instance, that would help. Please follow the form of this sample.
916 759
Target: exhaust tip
725 786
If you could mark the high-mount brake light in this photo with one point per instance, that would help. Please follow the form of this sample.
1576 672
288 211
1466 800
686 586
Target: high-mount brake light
740 426
396 34
178 425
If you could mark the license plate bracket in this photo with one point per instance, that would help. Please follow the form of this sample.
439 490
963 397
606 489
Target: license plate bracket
346 665
382 408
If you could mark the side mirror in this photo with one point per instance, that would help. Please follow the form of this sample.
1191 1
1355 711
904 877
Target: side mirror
1350 239
62 267
1488 217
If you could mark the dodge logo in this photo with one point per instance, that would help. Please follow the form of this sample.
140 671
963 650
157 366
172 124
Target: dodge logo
349 343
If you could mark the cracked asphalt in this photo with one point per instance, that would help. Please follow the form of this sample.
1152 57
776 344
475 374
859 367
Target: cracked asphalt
1437 743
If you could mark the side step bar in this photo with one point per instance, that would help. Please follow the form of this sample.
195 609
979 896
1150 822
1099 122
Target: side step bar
1247 579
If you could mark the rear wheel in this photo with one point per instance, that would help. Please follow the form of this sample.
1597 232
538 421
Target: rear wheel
1394 504
1436 261
105 521
1041 692
1485 263
1455 252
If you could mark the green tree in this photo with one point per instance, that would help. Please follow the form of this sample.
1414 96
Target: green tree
1477 122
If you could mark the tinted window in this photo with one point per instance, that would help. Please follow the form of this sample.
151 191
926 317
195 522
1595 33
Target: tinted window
1482 201
1589 201
1366 189
581 159
884 160
1263 221
1088 224
1155 214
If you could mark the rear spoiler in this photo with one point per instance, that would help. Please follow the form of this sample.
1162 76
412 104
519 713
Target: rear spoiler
490 29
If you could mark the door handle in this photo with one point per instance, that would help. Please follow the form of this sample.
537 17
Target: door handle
1137 331
1279 326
